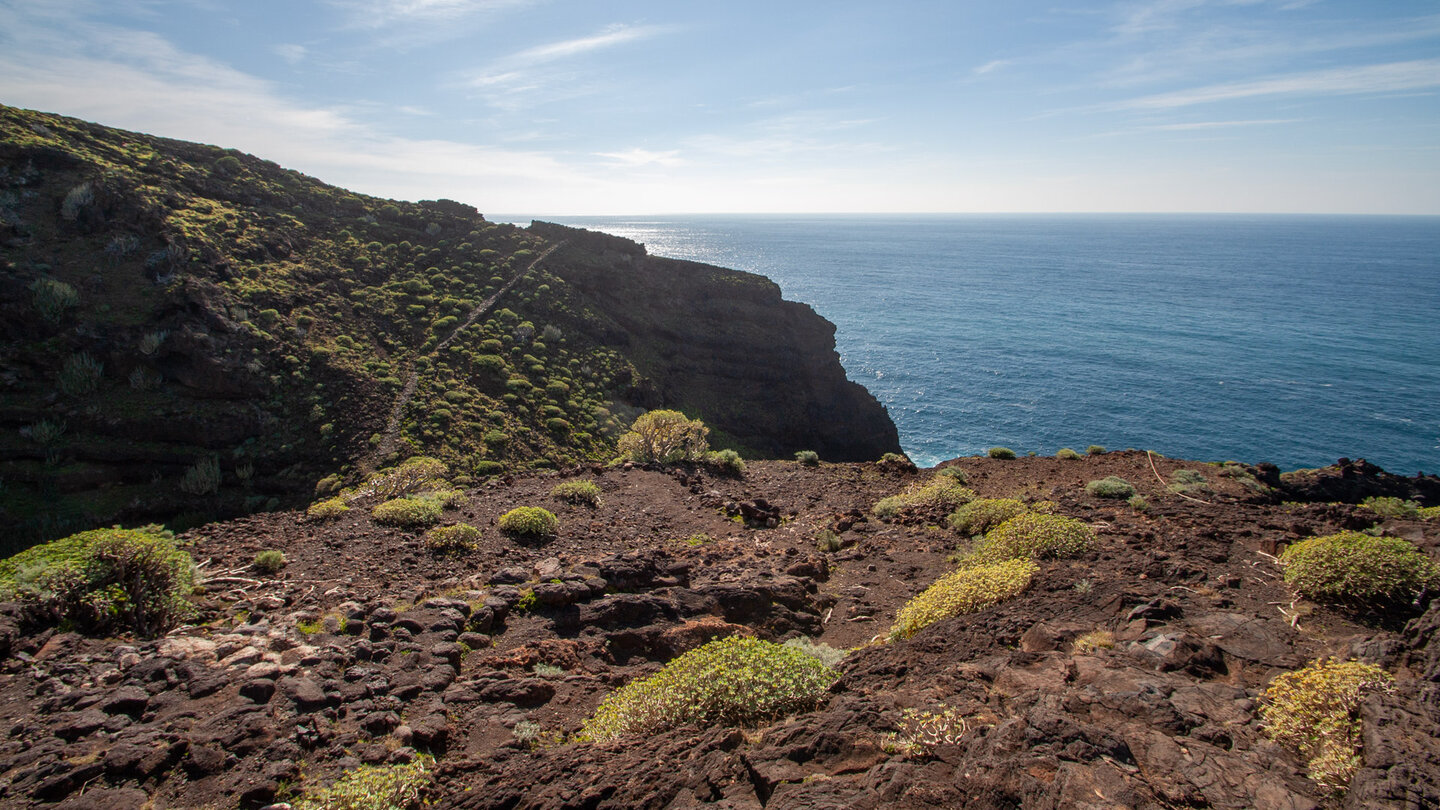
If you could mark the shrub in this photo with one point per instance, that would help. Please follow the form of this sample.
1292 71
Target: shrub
1067 454
983 514
1392 507
529 521
1428 512
411 475
1092 641
408 513
808 458
965 590
1316 710
80 374
664 437
824 653
1035 536
270 561
922 731
1188 477
1001 453
1094 450
202 478
956 473
460 537
488 468
327 509
827 540
77 200
942 492
373 787
732 681
1139 503
726 462
1110 486
1355 569
896 462
52 298
105 580
577 492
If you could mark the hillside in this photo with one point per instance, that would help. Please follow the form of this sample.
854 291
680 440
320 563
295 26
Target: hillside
1129 675
192 333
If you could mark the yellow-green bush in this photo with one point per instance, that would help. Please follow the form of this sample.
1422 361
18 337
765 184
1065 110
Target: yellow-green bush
1316 710
725 462
412 475
732 681
408 513
983 514
105 580
1092 641
1356 569
1111 486
1066 454
940 492
327 509
1392 507
966 590
373 787
1035 536
460 537
664 436
577 492
529 521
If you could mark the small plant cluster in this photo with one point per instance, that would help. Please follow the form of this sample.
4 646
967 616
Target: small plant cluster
328 509
269 561
962 591
52 298
1093 641
80 375
202 477
374 787
409 512
941 492
580 493
664 437
1316 710
1095 450
414 474
460 537
732 681
105 580
1186 482
824 653
725 462
1003 453
983 514
1359 571
1111 486
923 730
1066 454
808 458
1392 507
827 540
1034 536
529 522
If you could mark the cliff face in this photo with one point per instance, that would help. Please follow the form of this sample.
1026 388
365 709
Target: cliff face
724 346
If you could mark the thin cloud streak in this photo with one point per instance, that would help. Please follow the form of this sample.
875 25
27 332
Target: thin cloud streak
1386 78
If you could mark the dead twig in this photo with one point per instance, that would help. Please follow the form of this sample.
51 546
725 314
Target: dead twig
1163 483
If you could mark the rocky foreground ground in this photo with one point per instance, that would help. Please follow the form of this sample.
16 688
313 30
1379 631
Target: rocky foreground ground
370 648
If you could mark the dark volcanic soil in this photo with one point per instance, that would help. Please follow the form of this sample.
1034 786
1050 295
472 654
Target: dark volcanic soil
369 648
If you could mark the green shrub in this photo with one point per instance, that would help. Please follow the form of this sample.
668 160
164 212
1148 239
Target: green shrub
733 681
529 521
460 537
726 462
1355 569
1110 486
1067 454
1188 477
1139 503
1392 507
965 590
1001 453
52 298
408 513
269 561
1316 710
411 475
327 509
373 787
1428 512
824 653
983 514
105 580
577 492
1035 536
1094 450
202 478
956 473
80 375
664 437
941 492
808 458
488 468
829 541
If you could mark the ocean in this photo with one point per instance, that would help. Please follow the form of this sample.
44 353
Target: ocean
1290 339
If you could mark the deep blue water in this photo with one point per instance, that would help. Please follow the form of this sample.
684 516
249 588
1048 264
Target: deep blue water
1290 339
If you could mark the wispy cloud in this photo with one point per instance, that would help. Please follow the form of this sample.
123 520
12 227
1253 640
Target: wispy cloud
990 67
1367 79
512 69
380 13
644 157
1194 125
291 53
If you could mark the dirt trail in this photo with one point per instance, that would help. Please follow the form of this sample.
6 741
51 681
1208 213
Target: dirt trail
392 428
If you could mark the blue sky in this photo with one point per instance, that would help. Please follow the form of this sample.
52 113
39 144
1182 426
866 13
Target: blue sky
582 107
